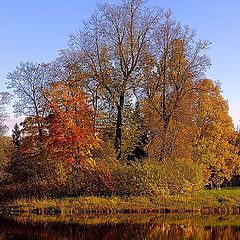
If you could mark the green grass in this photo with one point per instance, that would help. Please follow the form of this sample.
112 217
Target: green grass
226 200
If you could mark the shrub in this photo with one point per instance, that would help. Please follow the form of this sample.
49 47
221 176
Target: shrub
96 180
154 178
182 176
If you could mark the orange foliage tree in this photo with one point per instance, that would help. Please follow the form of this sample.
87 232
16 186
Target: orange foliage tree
70 124
213 146
170 87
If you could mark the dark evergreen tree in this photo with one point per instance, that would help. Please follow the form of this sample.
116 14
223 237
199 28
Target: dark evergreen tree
15 169
16 136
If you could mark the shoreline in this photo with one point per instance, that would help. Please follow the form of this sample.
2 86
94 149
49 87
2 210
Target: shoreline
8 210
226 201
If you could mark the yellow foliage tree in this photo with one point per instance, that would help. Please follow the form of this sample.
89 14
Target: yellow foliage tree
213 146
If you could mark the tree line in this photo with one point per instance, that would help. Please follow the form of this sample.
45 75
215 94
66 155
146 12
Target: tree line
125 109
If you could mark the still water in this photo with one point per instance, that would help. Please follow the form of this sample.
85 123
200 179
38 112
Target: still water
108 227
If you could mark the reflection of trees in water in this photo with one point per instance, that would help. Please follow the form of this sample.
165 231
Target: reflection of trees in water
11 230
175 231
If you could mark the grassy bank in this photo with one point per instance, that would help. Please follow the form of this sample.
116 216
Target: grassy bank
206 201
190 219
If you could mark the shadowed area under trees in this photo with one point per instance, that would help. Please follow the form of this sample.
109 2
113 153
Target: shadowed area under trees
125 110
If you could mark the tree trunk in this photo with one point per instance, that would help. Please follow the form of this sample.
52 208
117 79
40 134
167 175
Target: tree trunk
118 137
164 141
41 143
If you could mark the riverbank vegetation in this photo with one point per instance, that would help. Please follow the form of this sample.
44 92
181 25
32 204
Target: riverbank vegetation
206 201
125 111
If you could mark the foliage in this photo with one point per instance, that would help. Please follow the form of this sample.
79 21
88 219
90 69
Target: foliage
153 178
6 150
96 180
213 147
71 135
174 63
206 201
113 43
5 142
130 73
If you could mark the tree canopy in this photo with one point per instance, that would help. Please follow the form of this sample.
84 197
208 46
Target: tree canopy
126 109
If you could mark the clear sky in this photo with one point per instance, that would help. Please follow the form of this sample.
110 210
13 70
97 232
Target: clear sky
36 30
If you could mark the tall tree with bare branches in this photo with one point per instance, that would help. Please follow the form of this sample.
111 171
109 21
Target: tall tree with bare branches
27 81
174 64
113 42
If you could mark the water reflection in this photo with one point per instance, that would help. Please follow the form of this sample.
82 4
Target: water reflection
109 227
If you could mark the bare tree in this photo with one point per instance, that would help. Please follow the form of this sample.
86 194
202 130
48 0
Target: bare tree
4 100
27 81
113 42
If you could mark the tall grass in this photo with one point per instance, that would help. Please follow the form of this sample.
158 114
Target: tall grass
225 200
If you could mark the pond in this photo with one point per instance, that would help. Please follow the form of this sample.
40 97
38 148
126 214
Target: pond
108 227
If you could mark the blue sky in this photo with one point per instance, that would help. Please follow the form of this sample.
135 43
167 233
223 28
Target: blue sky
36 30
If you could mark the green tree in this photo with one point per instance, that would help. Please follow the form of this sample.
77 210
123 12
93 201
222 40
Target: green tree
16 165
16 136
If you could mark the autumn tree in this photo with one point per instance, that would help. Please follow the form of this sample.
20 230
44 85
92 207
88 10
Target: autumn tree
70 125
175 63
235 181
6 150
5 98
214 143
5 142
27 81
113 43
